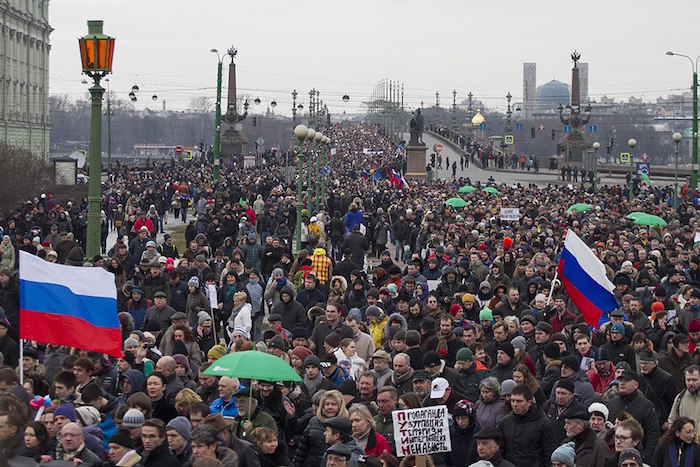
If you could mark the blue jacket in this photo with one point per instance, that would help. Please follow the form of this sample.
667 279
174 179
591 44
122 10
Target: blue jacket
353 218
226 410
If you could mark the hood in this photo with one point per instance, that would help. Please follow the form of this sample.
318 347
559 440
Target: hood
448 270
400 318
625 276
136 378
342 280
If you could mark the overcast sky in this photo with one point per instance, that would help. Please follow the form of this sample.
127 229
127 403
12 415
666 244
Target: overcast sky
347 47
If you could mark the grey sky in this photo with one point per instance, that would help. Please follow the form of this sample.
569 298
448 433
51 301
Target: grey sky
346 47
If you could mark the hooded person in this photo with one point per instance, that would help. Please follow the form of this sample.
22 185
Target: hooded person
291 311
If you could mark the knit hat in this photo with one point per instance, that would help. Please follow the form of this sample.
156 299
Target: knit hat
301 352
66 410
572 362
133 418
193 282
507 387
551 350
465 355
217 351
454 309
565 454
485 285
312 360
348 388
467 297
181 360
519 342
373 310
464 408
619 327
202 316
88 415
567 384
544 327
486 314
603 354
373 292
182 425
629 454
355 314
300 331
507 347
129 358
694 326
122 438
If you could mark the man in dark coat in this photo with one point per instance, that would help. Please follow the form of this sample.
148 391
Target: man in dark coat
155 445
488 447
632 401
675 360
656 384
358 246
527 435
555 408
591 450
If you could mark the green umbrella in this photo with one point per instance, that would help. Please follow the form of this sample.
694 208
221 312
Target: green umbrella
467 189
579 207
636 214
649 219
490 189
456 202
251 364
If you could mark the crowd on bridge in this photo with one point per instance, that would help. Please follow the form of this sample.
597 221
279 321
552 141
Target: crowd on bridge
394 301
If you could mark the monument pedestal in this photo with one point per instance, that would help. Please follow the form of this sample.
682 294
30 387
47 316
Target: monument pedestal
416 161
233 141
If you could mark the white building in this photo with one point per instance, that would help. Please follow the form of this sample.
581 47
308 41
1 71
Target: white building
24 74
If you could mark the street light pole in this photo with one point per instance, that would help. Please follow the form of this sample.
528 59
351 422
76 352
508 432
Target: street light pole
694 65
317 163
300 131
632 143
109 129
96 54
596 146
676 139
309 168
217 122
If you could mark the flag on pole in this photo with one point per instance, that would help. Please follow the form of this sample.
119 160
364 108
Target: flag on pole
584 279
646 180
394 178
68 305
377 175
404 183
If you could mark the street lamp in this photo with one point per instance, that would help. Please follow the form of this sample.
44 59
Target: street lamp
317 140
694 65
632 143
109 129
310 137
324 158
676 139
217 121
596 146
301 132
96 54
346 98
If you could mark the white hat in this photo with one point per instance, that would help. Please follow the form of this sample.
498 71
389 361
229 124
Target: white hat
600 408
438 388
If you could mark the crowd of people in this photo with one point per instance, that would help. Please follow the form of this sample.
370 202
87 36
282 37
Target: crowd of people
394 301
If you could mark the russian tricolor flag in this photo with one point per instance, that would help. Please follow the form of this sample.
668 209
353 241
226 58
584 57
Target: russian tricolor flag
68 305
584 279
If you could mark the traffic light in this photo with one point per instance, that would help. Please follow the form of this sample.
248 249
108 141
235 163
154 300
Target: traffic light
553 133
255 122
532 132
432 160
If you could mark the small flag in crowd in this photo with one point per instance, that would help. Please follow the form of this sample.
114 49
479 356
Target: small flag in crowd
68 305
377 175
584 279
646 180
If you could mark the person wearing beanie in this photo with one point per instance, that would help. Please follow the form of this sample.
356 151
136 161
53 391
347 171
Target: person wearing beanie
619 348
178 432
462 435
292 312
505 362
571 372
133 418
564 455
216 352
563 401
602 372
472 372
298 357
121 449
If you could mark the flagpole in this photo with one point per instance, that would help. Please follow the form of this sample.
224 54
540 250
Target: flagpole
551 288
21 367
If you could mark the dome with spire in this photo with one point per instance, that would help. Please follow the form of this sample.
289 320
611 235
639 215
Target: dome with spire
552 94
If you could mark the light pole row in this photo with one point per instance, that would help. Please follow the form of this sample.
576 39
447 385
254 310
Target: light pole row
303 133
694 160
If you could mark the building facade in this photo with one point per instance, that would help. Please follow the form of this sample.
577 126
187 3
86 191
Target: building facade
24 74
529 89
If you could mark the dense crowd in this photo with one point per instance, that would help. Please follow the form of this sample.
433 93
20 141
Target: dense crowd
395 301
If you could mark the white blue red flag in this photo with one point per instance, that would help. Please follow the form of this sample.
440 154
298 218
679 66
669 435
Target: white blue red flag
68 305
584 279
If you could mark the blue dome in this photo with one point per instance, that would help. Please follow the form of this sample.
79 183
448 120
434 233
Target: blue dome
550 95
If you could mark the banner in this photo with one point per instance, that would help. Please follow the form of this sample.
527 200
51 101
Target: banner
510 214
421 431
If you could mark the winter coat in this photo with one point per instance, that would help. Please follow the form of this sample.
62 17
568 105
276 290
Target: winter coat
472 378
583 391
527 439
554 413
658 386
489 414
675 365
663 453
241 317
312 445
292 313
591 451
644 412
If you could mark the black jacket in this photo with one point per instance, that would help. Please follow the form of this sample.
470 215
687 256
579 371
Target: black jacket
553 413
660 388
644 412
527 439
160 457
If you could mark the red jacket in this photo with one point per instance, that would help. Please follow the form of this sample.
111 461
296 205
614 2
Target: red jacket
141 223
558 323
598 381
376 444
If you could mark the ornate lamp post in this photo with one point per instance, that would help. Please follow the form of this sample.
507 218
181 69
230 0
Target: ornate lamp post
676 139
694 64
96 54
217 122
301 132
596 146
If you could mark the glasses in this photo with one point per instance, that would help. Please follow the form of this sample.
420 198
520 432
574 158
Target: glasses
621 437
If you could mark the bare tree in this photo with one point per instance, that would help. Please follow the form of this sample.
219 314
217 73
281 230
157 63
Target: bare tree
31 173
201 105
59 103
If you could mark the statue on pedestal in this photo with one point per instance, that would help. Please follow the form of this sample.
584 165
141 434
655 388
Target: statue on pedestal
416 127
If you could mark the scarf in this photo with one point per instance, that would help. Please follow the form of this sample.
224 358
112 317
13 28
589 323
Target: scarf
281 283
69 456
676 452
231 290
313 384
443 342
